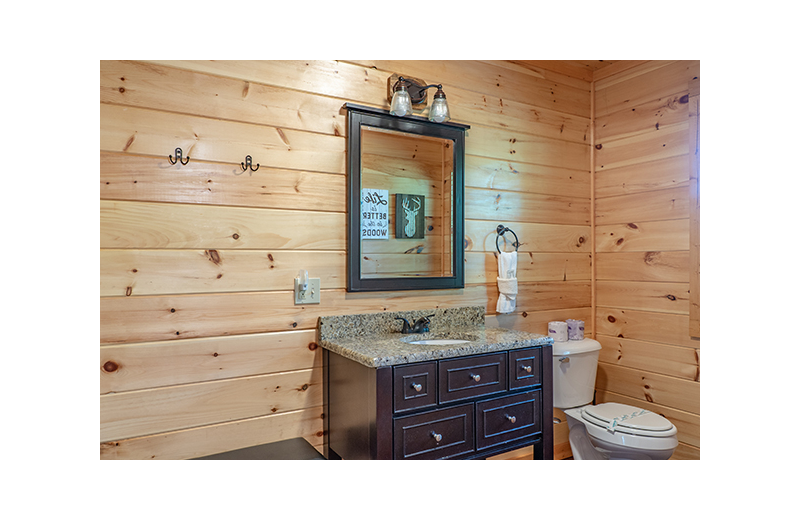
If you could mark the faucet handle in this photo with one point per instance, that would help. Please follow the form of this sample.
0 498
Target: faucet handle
421 325
406 326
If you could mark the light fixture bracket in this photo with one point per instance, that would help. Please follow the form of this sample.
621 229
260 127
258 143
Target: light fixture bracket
417 89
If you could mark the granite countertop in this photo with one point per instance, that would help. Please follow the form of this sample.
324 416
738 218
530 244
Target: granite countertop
374 340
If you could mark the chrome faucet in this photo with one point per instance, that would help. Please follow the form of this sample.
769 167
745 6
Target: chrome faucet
421 325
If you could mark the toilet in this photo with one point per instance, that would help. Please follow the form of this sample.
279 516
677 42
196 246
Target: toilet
607 431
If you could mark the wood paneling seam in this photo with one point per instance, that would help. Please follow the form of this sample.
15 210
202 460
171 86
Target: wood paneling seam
592 199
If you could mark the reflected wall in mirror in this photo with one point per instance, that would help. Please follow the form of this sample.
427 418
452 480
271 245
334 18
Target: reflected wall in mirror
406 210
417 171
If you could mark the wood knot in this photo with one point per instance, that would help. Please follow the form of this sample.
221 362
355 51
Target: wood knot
110 366
213 256
612 319
312 346
598 146
652 257
235 236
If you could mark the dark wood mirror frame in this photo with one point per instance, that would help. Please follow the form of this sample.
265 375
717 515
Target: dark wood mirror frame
360 116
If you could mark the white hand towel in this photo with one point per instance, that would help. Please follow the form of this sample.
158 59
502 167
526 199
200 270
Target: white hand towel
507 282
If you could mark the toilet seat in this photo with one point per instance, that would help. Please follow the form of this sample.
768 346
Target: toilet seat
643 431
628 419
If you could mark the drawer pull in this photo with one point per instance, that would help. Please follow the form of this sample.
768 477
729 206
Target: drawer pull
511 418
527 368
416 386
436 436
475 377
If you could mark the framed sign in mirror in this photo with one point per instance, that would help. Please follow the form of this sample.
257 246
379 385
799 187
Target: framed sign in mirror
405 179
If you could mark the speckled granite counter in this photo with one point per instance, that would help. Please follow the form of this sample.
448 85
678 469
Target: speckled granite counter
374 340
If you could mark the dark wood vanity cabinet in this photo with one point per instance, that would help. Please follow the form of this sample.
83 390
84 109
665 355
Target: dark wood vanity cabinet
469 407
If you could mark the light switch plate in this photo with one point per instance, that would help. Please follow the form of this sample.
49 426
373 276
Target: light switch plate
310 295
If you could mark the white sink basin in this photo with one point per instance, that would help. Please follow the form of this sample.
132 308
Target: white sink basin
439 342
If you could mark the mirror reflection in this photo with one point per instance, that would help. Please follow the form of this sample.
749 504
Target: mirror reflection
407 218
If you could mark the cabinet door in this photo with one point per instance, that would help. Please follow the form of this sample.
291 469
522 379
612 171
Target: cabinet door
524 367
472 376
508 418
435 435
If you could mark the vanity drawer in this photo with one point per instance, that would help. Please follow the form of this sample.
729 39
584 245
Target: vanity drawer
505 419
524 368
436 434
414 386
472 376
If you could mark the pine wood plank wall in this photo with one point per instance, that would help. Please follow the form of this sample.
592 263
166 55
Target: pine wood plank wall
642 183
201 346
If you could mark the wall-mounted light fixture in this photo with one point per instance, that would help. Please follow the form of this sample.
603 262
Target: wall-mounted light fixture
406 92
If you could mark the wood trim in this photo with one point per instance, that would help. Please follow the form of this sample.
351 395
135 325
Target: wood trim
593 209
694 215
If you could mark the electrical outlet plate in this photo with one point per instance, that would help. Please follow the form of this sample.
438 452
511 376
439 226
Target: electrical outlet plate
310 295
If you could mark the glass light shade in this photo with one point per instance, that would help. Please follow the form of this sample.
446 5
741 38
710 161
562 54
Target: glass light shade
401 102
439 113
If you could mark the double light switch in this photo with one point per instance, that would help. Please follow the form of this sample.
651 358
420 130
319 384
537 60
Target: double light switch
306 290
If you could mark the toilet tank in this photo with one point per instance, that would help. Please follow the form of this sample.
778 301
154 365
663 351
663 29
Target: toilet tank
574 372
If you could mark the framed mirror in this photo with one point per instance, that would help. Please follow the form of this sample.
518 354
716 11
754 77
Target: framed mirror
405 184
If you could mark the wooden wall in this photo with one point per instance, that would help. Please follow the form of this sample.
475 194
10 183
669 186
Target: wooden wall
201 346
642 216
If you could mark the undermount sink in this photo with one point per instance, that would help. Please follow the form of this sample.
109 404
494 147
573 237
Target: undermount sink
439 342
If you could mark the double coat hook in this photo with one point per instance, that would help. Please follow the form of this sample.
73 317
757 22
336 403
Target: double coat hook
249 161
178 153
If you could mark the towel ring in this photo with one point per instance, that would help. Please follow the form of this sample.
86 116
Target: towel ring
501 229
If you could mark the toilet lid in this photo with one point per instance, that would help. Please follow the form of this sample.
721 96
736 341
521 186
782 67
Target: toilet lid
628 419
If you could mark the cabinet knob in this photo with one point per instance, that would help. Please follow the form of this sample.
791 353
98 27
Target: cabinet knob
511 418
527 368
475 377
436 436
416 386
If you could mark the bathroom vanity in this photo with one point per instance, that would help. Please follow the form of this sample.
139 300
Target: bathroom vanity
459 391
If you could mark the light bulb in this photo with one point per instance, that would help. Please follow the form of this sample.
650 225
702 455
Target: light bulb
401 102
439 112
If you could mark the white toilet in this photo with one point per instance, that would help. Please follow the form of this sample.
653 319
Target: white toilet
607 431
